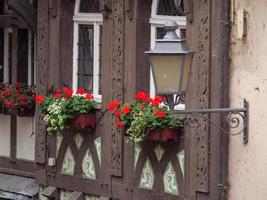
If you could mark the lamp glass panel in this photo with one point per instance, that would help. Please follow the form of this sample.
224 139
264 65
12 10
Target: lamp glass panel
166 70
187 69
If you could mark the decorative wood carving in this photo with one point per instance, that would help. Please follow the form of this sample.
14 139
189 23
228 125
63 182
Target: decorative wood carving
202 172
42 78
117 81
105 7
129 8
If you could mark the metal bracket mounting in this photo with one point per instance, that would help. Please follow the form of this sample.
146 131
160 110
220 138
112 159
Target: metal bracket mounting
236 118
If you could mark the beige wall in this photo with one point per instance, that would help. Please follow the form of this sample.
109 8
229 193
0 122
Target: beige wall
25 139
248 79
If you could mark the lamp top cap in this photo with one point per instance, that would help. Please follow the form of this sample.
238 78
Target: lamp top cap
170 27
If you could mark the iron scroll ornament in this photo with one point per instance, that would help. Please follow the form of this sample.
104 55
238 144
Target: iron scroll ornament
236 119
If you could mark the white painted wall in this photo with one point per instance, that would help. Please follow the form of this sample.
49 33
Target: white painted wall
25 143
248 79
25 139
4 136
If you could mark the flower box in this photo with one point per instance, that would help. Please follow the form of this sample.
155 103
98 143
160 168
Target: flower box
146 114
63 109
165 134
84 121
27 112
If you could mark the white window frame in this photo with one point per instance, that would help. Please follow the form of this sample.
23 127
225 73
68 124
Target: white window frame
95 19
157 21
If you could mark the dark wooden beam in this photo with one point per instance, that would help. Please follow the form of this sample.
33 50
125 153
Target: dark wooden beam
26 11
10 20
6 21
13 121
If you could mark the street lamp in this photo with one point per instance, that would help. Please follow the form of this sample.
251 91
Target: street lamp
171 62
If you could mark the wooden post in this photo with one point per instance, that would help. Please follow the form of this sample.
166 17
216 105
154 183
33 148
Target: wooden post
14 75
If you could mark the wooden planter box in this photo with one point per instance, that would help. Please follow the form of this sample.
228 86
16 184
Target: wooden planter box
28 112
165 134
5 111
84 121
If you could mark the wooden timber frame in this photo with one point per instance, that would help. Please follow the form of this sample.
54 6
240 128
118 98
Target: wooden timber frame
126 35
23 15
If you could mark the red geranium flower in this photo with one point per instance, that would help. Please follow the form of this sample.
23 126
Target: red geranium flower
119 123
11 104
6 93
40 99
126 109
18 85
156 101
80 91
159 113
113 104
16 95
89 96
57 95
68 92
117 113
23 104
22 98
142 96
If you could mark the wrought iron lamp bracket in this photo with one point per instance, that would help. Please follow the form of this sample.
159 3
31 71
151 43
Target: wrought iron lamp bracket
236 118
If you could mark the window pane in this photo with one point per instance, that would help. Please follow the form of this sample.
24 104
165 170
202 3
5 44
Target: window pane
160 32
171 7
183 33
100 61
9 55
2 6
89 6
1 55
22 67
86 57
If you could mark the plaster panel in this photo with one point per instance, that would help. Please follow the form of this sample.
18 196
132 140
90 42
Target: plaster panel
4 135
248 79
25 138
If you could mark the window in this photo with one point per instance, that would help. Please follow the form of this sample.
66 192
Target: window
25 55
87 47
162 11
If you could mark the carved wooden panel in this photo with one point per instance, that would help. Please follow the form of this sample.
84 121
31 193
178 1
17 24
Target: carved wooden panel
117 81
42 77
202 171
159 170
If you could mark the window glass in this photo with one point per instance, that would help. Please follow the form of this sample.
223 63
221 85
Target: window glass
87 47
171 7
23 49
89 6
2 7
100 61
86 57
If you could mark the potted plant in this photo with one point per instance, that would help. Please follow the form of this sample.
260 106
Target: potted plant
146 119
18 100
63 109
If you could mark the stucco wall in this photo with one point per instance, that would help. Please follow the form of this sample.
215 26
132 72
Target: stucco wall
248 79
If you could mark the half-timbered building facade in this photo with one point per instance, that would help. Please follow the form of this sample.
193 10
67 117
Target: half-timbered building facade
100 45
